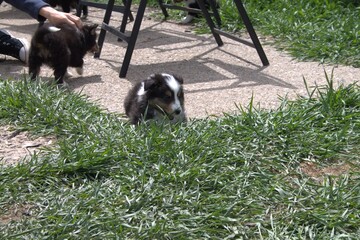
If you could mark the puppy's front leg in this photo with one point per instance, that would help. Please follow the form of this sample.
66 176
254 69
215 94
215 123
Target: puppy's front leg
78 64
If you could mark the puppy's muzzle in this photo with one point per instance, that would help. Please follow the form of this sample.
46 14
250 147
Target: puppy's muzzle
177 111
173 114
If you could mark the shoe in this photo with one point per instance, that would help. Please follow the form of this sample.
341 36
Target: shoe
14 47
188 19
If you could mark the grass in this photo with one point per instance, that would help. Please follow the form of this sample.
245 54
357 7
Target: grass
324 31
258 174
238 176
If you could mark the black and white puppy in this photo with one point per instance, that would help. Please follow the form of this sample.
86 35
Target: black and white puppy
61 47
159 97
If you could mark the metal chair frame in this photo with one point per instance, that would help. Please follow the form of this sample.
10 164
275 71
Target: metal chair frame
216 31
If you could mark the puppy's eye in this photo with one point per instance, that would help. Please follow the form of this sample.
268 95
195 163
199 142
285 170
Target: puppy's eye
166 98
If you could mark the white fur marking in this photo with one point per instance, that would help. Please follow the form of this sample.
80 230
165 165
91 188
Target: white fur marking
175 87
54 29
141 92
68 74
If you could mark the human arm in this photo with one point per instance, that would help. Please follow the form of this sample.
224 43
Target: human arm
55 17
31 7
41 11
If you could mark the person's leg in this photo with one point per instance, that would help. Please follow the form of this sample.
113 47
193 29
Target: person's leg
14 47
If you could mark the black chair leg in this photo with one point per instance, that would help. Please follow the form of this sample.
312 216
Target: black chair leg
133 37
127 11
251 32
127 14
163 9
106 20
214 8
210 23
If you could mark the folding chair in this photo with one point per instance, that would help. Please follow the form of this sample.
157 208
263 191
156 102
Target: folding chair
116 8
131 38
216 30
212 4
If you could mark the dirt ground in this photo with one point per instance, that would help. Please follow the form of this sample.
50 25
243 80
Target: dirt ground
16 145
216 78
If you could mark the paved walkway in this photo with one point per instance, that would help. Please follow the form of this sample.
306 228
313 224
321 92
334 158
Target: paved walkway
216 79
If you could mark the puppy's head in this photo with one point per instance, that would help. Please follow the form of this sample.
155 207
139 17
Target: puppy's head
90 37
165 94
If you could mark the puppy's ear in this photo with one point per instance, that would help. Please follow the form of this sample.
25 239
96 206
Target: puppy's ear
149 83
179 79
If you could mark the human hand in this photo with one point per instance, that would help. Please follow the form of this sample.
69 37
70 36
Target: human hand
56 17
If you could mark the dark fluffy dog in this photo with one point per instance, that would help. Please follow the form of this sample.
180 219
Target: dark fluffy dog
61 47
161 96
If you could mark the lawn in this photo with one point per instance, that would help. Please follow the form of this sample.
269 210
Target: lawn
292 172
285 173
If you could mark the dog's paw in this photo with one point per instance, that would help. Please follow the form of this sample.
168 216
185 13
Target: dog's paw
68 74
63 85
80 70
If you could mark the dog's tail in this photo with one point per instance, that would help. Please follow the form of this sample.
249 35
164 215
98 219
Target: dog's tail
41 34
